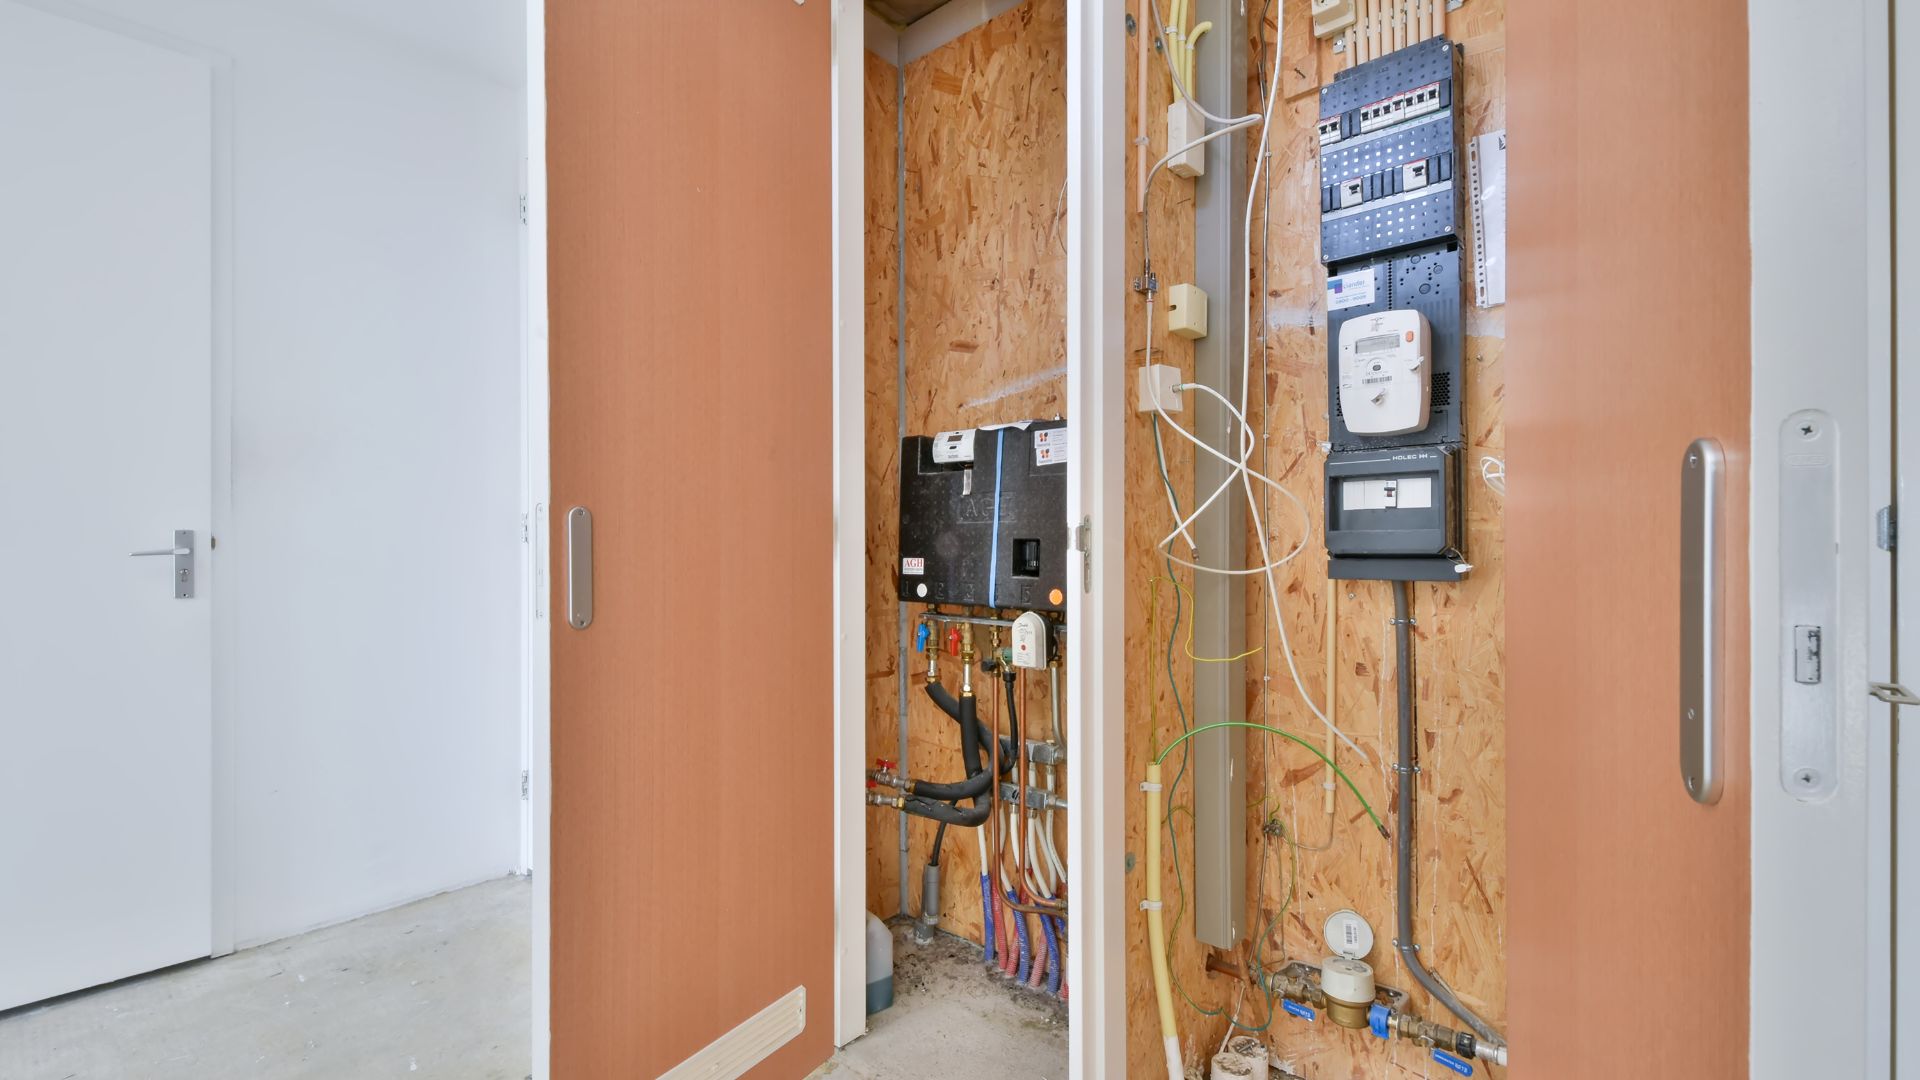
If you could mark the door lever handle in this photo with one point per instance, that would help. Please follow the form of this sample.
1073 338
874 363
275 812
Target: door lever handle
182 553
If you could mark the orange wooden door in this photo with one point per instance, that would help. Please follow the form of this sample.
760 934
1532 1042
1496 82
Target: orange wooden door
1628 320
689 171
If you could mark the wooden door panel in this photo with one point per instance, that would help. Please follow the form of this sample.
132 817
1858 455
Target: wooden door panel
690 228
1628 322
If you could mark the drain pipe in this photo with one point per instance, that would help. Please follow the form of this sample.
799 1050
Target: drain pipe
1404 834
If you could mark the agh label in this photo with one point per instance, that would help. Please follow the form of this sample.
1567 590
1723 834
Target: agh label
915 567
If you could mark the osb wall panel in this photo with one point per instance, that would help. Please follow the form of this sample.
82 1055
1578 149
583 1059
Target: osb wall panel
883 464
1152 691
1459 656
985 271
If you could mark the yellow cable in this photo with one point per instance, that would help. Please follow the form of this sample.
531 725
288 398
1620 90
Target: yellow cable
1188 644
1193 42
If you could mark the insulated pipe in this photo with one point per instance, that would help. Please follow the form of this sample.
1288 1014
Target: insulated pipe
1156 929
1403 836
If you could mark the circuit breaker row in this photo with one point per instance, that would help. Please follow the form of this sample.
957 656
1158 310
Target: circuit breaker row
1396 179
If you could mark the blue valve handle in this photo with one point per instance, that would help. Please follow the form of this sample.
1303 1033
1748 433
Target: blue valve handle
920 638
1459 1065
1294 1008
1377 1020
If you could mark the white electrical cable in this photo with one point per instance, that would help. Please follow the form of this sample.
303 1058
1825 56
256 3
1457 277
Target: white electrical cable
1494 472
1179 84
1240 468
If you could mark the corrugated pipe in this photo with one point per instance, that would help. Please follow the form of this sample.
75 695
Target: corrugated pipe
1053 954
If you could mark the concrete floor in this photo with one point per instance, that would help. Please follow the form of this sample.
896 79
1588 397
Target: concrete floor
438 988
952 1020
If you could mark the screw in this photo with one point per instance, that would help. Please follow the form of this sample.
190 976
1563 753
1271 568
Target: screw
1808 431
1807 778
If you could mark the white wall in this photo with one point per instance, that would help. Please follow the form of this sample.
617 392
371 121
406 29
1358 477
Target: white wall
374 551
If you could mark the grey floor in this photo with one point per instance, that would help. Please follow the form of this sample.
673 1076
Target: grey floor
438 988
952 1020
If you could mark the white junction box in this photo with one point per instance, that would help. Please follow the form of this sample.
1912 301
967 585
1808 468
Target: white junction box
1384 372
1156 383
1185 125
1187 311
1332 16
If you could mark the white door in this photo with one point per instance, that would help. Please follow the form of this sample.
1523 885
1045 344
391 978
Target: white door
106 172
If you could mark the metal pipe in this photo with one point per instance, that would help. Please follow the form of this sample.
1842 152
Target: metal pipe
982 620
1404 833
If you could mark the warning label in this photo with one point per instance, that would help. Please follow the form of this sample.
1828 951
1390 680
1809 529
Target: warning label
1050 446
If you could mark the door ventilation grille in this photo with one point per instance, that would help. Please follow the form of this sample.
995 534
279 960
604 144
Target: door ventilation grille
755 1040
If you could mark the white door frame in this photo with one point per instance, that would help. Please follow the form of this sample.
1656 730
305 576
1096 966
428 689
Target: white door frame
537 588
1096 304
1820 208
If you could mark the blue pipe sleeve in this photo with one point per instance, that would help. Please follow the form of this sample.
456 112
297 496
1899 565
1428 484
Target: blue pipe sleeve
1053 955
1020 932
986 914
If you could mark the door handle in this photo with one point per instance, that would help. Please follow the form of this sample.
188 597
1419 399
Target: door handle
579 568
1702 492
182 552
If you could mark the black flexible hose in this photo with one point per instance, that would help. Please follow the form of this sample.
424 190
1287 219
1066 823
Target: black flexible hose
1403 830
972 734
972 817
939 837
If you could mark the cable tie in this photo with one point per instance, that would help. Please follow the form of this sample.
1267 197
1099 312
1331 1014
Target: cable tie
1147 786
1151 905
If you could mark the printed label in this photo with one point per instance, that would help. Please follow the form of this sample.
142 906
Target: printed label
914 567
1050 446
1350 290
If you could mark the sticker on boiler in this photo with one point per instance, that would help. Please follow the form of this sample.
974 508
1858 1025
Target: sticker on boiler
913 567
1050 446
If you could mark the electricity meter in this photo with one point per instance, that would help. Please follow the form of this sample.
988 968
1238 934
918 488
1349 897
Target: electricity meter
1384 372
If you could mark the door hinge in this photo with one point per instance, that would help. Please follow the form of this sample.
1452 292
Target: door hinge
1083 543
1892 693
523 785
1886 529
526 532
523 209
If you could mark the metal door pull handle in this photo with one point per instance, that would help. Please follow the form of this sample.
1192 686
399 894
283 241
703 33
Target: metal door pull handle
161 551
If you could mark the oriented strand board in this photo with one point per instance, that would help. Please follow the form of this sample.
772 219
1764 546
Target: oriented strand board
883 465
1460 915
985 269
1153 690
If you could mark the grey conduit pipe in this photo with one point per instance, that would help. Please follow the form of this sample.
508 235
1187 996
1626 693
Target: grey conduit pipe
1404 831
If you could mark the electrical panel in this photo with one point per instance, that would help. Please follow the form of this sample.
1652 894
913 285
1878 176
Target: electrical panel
983 517
1389 236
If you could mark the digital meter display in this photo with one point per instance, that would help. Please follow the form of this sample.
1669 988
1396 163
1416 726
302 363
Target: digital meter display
1375 344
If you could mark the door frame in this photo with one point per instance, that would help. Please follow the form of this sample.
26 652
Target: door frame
1820 868
536 586
1096 305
